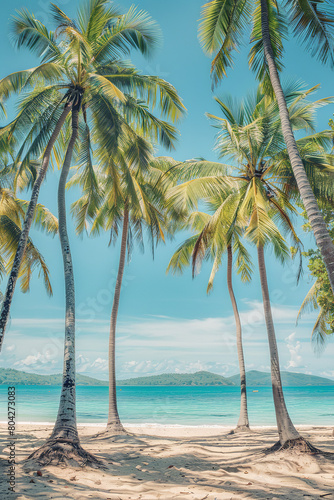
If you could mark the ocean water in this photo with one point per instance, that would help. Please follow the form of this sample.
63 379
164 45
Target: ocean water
174 405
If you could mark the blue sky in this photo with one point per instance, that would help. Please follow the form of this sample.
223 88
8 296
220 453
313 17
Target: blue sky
166 323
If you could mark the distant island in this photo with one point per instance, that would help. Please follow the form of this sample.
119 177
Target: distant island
9 376
289 379
198 378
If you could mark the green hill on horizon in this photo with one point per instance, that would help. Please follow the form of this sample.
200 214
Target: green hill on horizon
198 378
289 379
10 376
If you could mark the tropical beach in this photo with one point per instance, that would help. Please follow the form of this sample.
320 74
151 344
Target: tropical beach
167 249
175 463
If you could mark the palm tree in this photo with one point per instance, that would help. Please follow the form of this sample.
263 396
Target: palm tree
213 238
12 214
64 444
97 104
83 59
250 134
131 199
319 297
221 30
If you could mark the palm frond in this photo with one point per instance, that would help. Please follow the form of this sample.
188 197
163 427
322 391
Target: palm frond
135 29
27 31
10 234
313 23
223 23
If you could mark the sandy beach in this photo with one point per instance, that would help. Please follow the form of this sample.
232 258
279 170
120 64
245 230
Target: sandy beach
155 462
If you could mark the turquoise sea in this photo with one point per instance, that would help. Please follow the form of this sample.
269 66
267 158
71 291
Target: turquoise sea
174 405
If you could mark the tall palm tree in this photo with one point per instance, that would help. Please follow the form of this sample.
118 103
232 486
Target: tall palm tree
131 200
97 105
221 31
85 58
212 239
64 445
250 134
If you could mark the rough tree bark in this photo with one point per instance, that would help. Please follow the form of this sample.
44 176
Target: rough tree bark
289 437
114 425
64 444
243 422
314 215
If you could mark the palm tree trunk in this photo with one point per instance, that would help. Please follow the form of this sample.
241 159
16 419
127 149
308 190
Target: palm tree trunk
286 429
66 426
5 309
243 423
63 444
114 424
314 215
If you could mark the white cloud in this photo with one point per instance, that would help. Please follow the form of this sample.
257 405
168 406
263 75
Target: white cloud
329 373
35 361
159 344
86 365
100 365
291 337
82 363
294 348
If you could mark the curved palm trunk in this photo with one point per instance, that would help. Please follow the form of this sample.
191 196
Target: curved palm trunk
63 444
318 225
5 309
286 429
66 426
243 423
114 424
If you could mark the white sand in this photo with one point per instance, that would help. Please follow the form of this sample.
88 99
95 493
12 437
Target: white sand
170 463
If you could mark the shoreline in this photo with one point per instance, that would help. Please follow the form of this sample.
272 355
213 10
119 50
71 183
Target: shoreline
175 426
